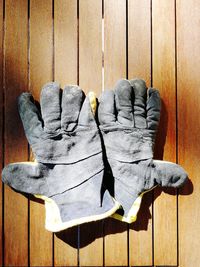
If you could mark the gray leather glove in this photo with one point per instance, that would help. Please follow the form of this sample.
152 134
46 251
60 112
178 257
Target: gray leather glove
128 118
69 170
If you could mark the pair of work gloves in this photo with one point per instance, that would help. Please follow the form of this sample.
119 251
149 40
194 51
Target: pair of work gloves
88 168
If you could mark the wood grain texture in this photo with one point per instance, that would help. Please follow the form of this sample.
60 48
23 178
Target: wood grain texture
90 79
65 71
188 80
65 42
116 235
139 40
114 41
16 65
139 65
1 128
163 37
41 58
90 45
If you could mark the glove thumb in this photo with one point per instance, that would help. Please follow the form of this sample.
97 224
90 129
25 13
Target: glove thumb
169 174
27 177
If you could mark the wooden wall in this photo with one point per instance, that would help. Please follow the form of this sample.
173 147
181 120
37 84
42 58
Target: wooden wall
94 43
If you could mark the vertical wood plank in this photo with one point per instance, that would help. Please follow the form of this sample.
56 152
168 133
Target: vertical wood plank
90 79
65 34
139 65
1 128
115 41
116 241
65 71
139 39
163 37
16 66
188 81
90 45
41 48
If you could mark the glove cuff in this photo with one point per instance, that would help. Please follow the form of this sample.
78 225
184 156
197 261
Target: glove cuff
54 223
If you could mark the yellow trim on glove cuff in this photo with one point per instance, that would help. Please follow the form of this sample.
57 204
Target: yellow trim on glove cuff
53 221
93 102
132 215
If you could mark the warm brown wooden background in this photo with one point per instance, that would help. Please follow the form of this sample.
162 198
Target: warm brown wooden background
94 43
